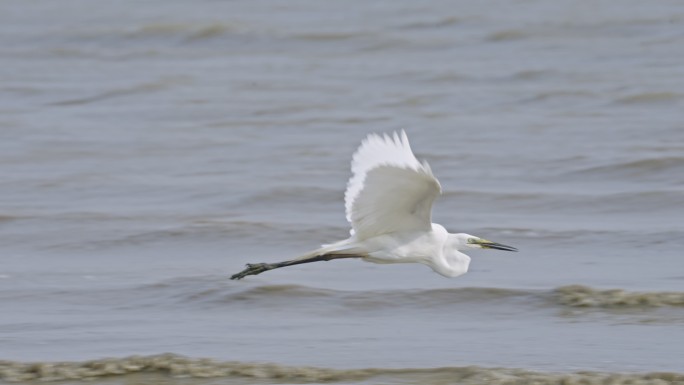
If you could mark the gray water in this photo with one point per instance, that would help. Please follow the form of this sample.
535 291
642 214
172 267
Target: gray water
148 150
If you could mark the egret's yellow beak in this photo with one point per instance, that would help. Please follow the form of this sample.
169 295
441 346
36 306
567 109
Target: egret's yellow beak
485 244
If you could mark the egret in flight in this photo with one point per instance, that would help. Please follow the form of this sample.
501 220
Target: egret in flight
388 203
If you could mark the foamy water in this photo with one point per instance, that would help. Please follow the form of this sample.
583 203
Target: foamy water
169 368
148 151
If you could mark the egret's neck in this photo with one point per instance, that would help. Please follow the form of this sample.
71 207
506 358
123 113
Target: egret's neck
452 262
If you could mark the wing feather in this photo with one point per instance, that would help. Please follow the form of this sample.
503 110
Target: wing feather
390 190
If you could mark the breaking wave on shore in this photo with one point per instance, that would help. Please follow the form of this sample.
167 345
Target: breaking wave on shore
171 366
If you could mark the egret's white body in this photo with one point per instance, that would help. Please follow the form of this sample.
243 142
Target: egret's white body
388 203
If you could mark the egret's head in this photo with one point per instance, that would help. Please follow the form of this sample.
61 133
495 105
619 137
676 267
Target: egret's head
481 243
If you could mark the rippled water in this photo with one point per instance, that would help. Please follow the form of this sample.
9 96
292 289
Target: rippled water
149 150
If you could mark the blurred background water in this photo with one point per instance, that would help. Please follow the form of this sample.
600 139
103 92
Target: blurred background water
148 150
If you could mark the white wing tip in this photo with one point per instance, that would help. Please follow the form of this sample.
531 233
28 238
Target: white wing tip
376 150
398 137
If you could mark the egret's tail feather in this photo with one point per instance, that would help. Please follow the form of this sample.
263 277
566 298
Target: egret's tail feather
325 253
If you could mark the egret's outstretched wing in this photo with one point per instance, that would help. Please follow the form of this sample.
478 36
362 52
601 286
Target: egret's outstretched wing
390 190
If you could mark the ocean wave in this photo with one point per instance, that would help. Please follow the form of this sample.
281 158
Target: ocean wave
186 30
649 98
583 296
558 95
143 88
507 35
575 296
332 36
198 32
8 218
669 165
171 365
436 23
219 292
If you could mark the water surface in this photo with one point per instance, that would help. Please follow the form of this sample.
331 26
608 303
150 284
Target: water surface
148 151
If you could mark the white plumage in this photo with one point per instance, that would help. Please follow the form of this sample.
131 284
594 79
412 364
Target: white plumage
388 203
390 190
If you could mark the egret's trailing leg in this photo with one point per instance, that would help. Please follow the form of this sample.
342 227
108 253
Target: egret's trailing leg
258 268
253 269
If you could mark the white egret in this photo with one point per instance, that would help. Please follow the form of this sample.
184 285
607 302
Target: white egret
389 205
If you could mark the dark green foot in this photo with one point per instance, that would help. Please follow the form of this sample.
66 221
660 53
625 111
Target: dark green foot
253 269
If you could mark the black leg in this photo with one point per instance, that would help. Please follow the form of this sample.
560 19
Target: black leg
258 268
253 269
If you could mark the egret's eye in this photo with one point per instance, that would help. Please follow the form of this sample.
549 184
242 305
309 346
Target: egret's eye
472 240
